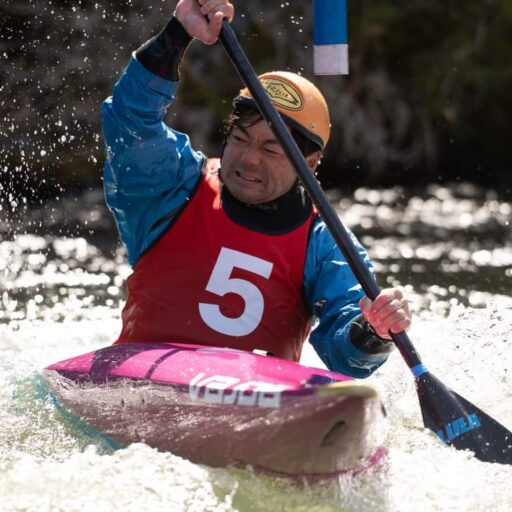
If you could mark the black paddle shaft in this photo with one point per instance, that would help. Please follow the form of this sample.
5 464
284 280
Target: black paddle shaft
331 219
455 420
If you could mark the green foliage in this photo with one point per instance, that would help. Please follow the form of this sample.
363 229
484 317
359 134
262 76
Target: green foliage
451 60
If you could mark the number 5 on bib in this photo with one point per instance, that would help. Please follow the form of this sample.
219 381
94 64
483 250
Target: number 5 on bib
221 283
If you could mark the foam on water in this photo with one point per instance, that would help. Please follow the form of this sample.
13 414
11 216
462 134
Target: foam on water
46 464
61 296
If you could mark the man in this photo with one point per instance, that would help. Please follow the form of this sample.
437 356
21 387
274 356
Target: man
231 252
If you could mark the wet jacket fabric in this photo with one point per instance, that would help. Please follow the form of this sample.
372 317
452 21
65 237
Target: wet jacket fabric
236 286
151 172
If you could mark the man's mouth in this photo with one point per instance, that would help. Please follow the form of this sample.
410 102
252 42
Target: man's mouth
246 177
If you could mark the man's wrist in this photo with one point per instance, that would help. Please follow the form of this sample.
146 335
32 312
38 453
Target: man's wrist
162 54
363 337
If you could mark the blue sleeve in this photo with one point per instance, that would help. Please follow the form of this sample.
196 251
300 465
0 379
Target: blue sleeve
150 169
332 294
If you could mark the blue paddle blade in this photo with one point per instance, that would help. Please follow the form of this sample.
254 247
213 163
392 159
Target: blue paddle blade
460 424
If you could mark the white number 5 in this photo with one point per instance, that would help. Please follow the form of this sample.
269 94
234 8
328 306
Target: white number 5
221 283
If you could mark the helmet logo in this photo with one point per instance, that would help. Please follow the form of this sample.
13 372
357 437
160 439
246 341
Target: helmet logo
282 93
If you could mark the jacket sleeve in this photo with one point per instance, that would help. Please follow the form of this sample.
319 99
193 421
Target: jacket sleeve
150 169
332 295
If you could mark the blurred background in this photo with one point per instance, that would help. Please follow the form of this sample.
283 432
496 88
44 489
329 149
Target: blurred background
419 162
427 101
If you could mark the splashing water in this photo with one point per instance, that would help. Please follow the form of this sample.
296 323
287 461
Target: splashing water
61 290
61 296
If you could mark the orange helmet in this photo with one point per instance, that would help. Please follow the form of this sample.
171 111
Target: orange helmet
299 102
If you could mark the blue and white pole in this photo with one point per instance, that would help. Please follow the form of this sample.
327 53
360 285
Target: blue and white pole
330 37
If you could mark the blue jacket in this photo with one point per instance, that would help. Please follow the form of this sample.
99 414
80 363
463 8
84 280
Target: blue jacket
150 172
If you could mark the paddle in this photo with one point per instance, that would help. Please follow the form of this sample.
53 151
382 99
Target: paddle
456 421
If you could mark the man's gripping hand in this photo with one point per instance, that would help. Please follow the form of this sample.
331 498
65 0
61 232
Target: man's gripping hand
202 19
389 312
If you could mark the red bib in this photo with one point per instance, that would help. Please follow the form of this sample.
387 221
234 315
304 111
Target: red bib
211 281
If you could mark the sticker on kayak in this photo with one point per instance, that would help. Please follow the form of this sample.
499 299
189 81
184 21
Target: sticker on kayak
221 389
282 93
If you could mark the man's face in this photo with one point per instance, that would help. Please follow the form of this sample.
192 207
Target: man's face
254 166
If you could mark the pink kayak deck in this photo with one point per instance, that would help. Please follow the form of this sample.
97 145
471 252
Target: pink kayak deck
179 364
223 407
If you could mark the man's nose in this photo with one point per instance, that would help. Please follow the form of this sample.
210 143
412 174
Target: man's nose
251 155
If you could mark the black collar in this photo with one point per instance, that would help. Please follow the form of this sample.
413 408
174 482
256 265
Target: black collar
277 217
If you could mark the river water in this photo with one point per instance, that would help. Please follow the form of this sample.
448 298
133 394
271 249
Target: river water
61 288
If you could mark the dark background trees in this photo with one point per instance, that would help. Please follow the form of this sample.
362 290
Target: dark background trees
428 98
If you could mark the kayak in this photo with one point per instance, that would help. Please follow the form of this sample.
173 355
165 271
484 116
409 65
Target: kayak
221 407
